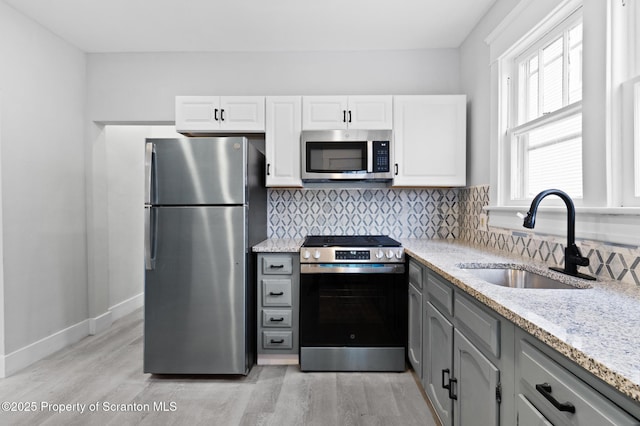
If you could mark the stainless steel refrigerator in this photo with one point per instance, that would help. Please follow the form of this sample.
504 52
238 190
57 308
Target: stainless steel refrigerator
205 208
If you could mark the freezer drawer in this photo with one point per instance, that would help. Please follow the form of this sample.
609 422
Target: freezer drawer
197 171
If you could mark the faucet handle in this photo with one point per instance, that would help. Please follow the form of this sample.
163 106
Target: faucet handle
521 215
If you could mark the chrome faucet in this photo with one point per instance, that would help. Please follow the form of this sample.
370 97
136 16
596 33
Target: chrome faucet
572 256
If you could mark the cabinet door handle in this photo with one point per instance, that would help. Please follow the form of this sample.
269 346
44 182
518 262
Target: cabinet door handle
344 116
276 266
222 115
269 169
215 114
545 390
277 341
396 169
273 293
276 319
445 382
349 116
452 395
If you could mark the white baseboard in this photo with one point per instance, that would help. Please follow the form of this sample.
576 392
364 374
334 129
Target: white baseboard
23 357
29 354
100 323
126 307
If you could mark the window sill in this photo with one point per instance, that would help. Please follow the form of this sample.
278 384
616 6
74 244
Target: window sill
618 225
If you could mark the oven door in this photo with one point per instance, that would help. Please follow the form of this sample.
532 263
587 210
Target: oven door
353 305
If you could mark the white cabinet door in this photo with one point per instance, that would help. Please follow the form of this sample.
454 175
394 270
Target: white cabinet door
202 114
430 140
370 112
347 112
282 140
477 381
197 113
324 112
242 113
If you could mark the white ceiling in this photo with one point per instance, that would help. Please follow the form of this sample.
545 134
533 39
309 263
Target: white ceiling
256 25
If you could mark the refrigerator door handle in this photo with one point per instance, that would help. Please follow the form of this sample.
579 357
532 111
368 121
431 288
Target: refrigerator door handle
149 239
149 170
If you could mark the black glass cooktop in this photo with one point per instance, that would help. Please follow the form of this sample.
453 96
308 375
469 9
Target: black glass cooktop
350 241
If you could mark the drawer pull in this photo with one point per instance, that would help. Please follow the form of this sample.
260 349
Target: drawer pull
274 293
276 266
545 390
277 341
276 319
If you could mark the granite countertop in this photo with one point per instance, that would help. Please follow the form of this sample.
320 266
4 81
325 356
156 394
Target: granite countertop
279 245
598 327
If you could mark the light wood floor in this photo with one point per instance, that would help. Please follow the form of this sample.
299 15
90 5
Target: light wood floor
108 369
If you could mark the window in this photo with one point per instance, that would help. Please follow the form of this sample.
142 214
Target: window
628 60
545 134
546 124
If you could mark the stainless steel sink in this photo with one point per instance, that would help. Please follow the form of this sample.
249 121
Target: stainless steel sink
518 278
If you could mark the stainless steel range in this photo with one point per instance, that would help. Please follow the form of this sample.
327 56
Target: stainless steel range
353 304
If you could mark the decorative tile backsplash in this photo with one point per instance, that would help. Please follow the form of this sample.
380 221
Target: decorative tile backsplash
431 213
399 213
610 261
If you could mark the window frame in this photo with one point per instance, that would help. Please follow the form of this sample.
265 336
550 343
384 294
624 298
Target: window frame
601 215
552 26
627 56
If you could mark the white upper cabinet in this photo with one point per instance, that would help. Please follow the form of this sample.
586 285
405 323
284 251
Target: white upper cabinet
347 112
282 140
220 113
429 140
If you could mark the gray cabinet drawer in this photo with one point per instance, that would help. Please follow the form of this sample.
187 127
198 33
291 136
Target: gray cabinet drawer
478 323
277 339
276 292
276 317
440 293
591 408
415 274
528 415
277 265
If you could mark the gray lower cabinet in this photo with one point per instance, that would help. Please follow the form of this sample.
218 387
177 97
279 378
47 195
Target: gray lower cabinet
463 357
437 361
476 385
414 341
278 286
478 368
550 393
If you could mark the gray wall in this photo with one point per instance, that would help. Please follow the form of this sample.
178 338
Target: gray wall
125 183
55 233
475 81
141 87
42 85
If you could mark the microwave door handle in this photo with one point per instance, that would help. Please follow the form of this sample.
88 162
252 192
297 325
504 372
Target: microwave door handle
370 156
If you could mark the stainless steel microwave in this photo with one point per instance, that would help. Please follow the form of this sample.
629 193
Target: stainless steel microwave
346 155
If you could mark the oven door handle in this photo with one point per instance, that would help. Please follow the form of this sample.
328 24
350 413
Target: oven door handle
352 268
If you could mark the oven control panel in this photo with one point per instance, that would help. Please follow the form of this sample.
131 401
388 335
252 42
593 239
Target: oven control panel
351 255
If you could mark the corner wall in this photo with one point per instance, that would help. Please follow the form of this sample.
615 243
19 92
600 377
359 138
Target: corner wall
42 81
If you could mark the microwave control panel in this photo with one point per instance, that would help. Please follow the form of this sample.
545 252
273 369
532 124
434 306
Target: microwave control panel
380 156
